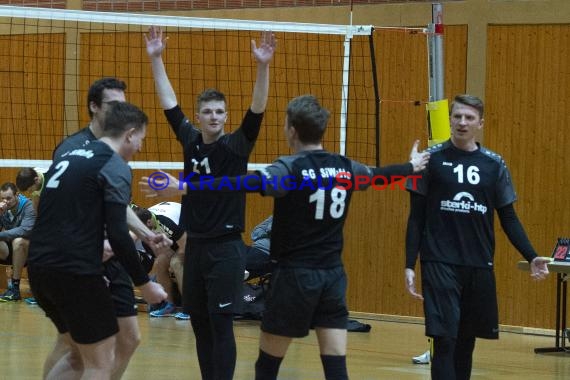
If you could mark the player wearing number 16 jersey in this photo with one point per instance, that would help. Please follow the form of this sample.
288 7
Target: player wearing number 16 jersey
312 190
451 227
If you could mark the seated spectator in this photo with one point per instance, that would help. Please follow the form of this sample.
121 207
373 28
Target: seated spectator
17 218
163 218
31 180
258 262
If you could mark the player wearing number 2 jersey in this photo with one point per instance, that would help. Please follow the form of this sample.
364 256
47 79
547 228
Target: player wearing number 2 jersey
86 194
101 94
451 227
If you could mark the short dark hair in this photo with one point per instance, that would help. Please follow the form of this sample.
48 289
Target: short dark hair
95 93
26 178
9 186
143 213
122 116
209 95
469 100
308 117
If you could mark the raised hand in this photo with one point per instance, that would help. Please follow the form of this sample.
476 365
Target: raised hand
419 160
267 43
155 43
3 207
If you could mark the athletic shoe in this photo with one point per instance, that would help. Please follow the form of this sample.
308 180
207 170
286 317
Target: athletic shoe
30 301
422 359
11 295
166 311
181 316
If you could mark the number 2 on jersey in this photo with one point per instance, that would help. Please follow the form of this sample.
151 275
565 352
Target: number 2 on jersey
336 209
60 169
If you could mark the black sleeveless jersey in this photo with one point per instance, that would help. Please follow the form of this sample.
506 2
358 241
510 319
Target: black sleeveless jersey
69 232
213 214
463 189
310 208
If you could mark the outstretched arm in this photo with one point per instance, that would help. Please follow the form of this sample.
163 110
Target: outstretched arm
263 55
169 186
383 176
155 44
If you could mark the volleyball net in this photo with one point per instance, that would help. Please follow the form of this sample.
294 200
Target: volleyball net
49 58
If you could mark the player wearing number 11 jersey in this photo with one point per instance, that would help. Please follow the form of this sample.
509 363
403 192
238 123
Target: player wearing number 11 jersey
215 254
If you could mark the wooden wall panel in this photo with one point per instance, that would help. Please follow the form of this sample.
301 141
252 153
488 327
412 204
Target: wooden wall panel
31 94
375 230
527 87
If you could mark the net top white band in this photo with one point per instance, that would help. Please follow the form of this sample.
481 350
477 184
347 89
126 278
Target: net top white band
177 21
147 165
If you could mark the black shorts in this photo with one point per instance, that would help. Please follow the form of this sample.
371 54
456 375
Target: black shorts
459 301
78 304
302 298
8 259
121 288
213 277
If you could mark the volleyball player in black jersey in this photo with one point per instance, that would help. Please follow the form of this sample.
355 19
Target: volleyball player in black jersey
214 264
308 287
86 193
312 190
451 227
101 94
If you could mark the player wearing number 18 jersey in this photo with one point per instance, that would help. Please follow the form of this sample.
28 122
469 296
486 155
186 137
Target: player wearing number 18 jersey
309 284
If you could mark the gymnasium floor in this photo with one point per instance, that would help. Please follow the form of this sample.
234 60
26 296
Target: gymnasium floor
167 351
